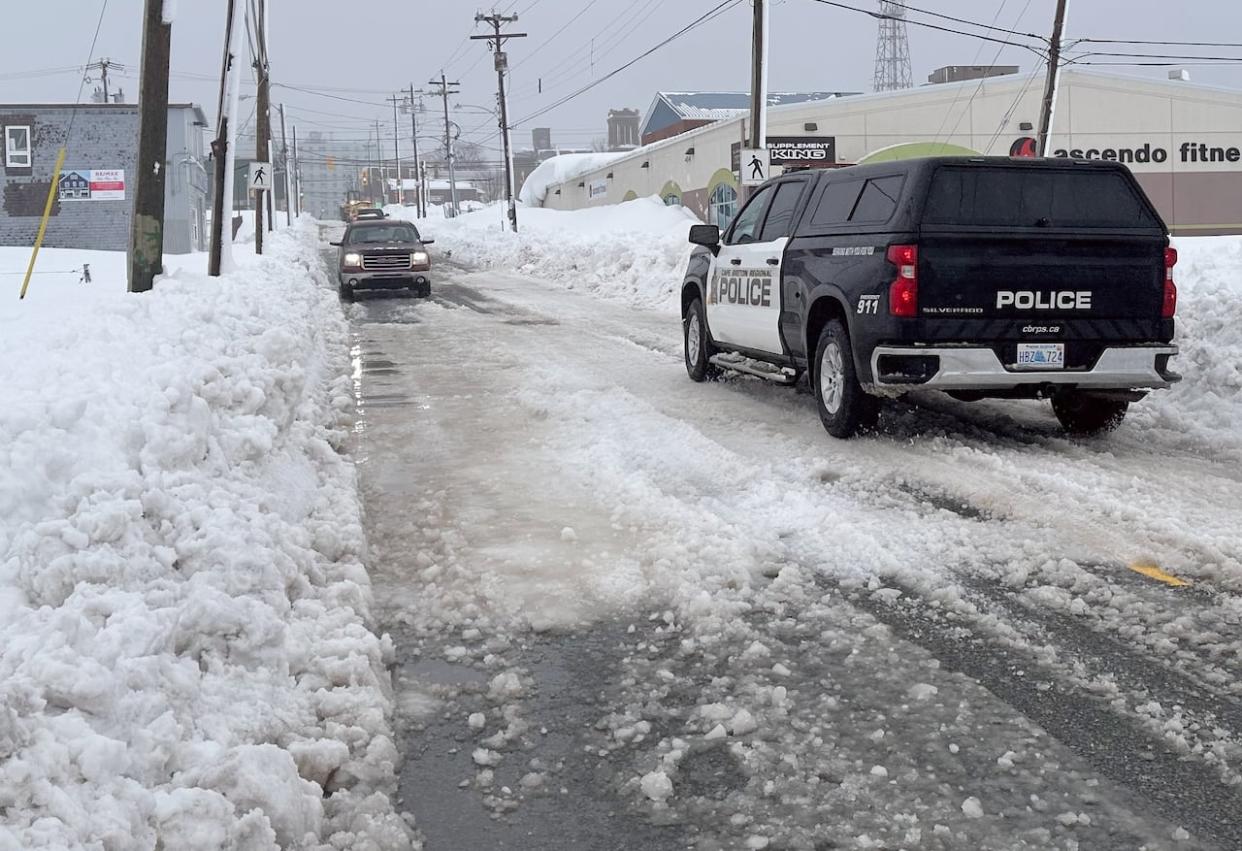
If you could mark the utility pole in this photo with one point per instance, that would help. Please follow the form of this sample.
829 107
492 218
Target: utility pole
222 150
102 67
297 171
420 211
1053 80
262 120
759 79
498 40
379 167
444 92
284 146
146 240
396 149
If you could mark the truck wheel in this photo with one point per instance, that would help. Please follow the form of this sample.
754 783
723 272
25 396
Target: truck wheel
1087 413
698 348
844 407
346 291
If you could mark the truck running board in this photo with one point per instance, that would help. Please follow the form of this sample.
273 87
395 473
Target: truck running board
759 369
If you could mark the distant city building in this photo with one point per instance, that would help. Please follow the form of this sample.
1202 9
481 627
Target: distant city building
94 200
542 138
623 129
962 73
674 113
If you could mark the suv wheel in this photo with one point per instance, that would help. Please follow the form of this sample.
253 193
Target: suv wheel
844 407
698 348
1085 413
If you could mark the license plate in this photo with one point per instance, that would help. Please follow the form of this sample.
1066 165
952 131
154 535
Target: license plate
1041 356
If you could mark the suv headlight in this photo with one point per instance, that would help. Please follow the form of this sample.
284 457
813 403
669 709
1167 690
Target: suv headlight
419 258
352 259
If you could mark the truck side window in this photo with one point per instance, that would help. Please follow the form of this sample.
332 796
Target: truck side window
780 217
879 199
836 202
746 225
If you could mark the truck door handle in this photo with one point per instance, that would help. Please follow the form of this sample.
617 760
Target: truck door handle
774 261
736 261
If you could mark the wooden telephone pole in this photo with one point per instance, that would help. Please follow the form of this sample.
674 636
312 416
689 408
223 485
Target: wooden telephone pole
284 144
146 238
1053 80
222 147
498 40
420 209
444 93
396 101
758 82
263 118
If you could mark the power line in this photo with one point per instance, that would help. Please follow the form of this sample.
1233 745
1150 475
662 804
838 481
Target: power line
1158 43
551 38
966 21
573 59
715 12
925 25
327 95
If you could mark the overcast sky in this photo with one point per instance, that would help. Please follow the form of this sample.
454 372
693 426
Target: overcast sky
364 50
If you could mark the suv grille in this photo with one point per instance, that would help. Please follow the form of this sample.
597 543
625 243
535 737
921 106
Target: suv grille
385 262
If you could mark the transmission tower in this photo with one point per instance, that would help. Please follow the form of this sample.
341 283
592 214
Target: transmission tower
892 50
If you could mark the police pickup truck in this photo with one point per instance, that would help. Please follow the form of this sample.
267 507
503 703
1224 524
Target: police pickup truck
981 277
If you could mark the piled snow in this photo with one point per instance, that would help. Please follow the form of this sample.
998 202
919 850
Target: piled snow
635 252
185 660
1207 404
560 169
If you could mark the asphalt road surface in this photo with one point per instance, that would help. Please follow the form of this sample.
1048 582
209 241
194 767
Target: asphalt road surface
635 612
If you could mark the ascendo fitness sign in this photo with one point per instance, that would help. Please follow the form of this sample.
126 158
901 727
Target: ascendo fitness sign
1147 153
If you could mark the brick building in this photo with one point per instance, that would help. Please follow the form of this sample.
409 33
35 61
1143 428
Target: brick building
95 197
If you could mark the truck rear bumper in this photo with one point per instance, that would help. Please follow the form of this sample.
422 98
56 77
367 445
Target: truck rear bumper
900 368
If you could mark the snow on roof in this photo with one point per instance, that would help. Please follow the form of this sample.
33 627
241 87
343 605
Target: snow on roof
560 169
717 106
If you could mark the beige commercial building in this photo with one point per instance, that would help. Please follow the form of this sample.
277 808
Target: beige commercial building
1182 140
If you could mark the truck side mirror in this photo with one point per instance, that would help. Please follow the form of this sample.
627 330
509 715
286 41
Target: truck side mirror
706 235
335 244
428 241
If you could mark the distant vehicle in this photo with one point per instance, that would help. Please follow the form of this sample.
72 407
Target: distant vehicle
350 209
383 255
982 277
369 213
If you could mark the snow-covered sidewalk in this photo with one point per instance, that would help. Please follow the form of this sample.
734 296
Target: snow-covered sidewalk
186 659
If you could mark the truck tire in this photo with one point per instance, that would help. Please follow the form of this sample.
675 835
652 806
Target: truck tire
699 349
844 407
1087 413
346 292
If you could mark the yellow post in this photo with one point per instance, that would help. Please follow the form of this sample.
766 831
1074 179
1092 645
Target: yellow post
47 214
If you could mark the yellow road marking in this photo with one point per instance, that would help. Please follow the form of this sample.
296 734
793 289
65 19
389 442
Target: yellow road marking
1151 571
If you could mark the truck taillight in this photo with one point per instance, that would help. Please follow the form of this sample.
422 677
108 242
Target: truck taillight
903 293
1169 307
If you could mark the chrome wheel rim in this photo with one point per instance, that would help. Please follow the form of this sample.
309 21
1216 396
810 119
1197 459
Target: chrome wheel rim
832 378
694 339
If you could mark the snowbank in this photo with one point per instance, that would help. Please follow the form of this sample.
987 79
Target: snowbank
1207 404
635 252
185 660
559 169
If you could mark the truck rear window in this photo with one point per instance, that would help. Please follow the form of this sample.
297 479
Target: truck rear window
1026 197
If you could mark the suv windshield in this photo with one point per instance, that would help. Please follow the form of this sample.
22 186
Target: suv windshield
1029 197
382 233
